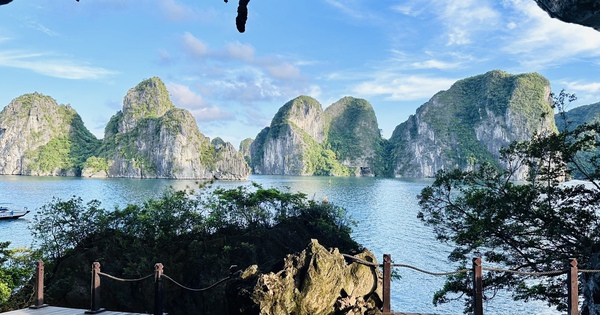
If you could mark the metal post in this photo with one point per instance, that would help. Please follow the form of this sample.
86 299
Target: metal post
387 279
39 285
477 287
573 288
95 290
158 289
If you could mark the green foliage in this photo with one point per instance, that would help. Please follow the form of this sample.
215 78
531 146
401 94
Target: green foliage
532 226
197 235
453 113
575 118
320 161
71 143
96 164
52 156
16 268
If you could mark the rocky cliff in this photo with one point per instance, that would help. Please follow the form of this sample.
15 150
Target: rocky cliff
469 123
40 137
305 140
353 134
293 143
150 138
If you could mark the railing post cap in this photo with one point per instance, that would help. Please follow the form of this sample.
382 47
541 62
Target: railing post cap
477 261
158 266
387 257
96 265
573 262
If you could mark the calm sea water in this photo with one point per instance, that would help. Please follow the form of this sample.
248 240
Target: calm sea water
385 210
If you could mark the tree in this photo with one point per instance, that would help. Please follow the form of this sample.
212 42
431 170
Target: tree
534 226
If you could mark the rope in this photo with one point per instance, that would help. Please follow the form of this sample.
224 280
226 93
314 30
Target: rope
197 290
589 270
361 261
124 280
523 273
433 273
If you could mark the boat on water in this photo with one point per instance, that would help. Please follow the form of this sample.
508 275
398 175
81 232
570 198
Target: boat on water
6 213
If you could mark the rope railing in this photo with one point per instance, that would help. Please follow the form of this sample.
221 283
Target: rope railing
197 290
571 271
125 280
158 286
526 273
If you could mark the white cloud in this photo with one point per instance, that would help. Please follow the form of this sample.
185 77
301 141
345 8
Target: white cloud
39 27
237 72
434 64
51 66
211 114
182 95
465 17
240 51
396 87
283 70
175 11
194 46
540 41
586 92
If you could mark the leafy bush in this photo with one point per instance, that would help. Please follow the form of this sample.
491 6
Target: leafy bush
197 235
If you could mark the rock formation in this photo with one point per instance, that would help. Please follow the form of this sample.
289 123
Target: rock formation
315 281
582 12
353 134
40 137
150 138
293 143
471 122
305 140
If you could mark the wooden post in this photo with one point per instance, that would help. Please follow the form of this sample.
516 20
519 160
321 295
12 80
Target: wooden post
387 279
477 287
95 290
573 288
39 285
158 289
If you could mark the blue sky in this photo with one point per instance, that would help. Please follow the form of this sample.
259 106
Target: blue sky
395 54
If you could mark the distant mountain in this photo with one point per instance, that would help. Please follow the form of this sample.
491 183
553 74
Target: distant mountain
575 117
150 138
40 137
458 128
579 116
469 123
305 140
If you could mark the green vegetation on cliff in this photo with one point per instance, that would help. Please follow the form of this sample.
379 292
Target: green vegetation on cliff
475 115
72 143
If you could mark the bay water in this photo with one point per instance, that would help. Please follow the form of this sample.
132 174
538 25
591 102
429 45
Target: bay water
385 211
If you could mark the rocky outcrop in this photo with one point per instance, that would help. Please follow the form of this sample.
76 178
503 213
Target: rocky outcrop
293 143
40 137
244 149
150 138
315 281
353 134
305 140
583 12
469 124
